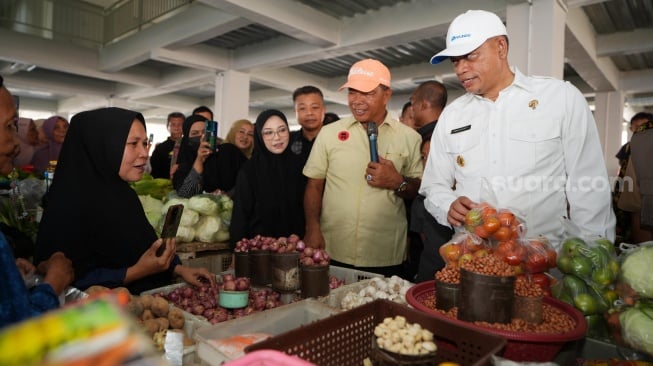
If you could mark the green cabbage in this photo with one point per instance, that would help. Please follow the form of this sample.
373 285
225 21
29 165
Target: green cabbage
637 327
189 217
204 204
185 234
152 208
207 228
635 270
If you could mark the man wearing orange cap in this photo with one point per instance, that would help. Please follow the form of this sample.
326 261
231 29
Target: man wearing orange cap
533 140
354 207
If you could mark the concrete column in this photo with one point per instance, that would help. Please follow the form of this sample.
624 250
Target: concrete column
608 113
537 34
231 99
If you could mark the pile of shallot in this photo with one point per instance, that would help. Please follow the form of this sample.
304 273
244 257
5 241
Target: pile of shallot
231 283
203 300
293 243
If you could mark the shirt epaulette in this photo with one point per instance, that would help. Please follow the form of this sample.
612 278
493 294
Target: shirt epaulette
644 127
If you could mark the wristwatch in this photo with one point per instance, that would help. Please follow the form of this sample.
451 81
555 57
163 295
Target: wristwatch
403 186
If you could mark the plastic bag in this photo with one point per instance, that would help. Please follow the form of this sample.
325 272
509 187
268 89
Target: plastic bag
462 246
634 280
590 269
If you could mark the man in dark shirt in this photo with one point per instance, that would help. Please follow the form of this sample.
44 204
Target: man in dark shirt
425 233
162 157
309 108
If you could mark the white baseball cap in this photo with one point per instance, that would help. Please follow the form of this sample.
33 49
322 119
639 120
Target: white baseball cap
468 31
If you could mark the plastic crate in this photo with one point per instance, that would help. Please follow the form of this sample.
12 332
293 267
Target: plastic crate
268 358
351 275
273 321
520 346
346 338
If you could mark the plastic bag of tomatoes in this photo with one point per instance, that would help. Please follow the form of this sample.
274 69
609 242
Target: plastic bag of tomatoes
463 246
490 223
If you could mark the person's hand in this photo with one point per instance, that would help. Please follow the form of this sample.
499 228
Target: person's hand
383 174
25 267
203 151
149 263
459 209
173 170
195 276
313 238
57 271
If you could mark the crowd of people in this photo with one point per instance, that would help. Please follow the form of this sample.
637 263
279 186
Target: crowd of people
386 214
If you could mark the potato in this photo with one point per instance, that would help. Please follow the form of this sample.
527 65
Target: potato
163 323
147 300
176 318
147 315
95 289
160 307
135 307
151 326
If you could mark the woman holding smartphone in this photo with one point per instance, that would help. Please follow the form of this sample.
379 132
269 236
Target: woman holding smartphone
203 169
95 217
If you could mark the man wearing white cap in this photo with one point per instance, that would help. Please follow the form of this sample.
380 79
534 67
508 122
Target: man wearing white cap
533 140
355 208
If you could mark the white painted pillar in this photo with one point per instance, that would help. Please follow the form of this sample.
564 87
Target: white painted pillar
537 33
608 114
231 99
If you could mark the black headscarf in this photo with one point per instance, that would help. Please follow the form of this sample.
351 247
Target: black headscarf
269 192
187 153
93 215
220 168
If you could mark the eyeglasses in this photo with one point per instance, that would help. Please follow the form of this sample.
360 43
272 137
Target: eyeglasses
269 134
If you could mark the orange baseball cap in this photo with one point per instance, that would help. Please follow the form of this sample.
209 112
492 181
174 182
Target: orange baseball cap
365 75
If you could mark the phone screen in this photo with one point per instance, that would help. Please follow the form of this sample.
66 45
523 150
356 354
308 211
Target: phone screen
170 226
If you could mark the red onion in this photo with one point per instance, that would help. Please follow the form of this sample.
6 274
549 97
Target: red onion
230 285
307 261
317 256
300 246
293 239
308 251
188 292
198 309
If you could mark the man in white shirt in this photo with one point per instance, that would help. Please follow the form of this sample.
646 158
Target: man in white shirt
533 140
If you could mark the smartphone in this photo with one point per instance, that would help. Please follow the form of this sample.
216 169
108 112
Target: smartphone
211 133
170 226
150 140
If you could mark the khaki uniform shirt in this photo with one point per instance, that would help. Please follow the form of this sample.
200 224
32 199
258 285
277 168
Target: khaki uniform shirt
362 225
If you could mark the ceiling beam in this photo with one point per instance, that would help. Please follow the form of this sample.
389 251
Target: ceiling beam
65 57
580 52
624 43
289 17
196 19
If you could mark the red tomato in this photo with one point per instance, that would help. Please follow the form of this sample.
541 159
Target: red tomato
536 262
552 257
503 233
487 212
506 218
512 258
491 224
481 232
541 280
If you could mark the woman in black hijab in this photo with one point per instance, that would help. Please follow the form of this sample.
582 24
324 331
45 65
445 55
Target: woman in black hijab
96 218
268 198
202 170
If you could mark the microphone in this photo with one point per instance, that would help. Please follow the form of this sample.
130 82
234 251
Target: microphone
373 134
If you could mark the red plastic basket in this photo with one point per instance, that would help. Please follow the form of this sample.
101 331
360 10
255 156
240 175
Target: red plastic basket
521 346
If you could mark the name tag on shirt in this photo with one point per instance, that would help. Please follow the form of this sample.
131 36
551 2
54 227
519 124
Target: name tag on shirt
461 129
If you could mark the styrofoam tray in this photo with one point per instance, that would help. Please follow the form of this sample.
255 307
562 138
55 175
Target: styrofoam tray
274 321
